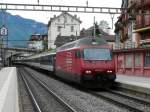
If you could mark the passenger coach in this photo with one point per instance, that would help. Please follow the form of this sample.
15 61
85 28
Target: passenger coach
45 61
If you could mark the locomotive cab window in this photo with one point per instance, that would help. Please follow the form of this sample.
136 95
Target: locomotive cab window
97 54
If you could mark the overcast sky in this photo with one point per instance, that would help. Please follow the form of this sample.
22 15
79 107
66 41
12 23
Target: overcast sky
86 18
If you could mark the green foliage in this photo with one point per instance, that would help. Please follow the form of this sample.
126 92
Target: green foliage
97 31
103 24
45 44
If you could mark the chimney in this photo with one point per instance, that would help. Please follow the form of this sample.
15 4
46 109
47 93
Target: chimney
75 16
54 16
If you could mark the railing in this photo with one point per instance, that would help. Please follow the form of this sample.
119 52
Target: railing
142 3
147 2
131 3
142 21
130 45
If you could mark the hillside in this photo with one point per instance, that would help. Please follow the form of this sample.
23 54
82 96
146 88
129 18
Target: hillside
20 29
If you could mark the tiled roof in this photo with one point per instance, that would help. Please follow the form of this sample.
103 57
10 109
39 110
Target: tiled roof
106 36
74 17
38 37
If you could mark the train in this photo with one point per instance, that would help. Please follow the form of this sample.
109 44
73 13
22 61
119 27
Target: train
87 61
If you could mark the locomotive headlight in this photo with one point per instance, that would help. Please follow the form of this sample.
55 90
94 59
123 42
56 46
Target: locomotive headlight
88 71
109 71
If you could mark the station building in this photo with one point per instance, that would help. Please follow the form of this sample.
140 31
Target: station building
133 25
64 24
133 29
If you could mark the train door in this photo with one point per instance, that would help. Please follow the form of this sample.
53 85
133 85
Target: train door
78 61
69 61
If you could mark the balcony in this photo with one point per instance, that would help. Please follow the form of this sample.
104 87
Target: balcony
142 3
142 21
131 3
146 2
145 43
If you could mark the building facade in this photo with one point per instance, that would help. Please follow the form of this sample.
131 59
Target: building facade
142 24
133 30
133 25
63 25
38 42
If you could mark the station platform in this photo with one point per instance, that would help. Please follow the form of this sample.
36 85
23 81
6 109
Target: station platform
136 83
8 90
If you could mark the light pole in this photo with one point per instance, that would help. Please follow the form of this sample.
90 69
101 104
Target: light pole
94 27
112 19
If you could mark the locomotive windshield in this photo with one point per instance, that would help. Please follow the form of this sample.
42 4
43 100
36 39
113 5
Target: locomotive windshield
97 54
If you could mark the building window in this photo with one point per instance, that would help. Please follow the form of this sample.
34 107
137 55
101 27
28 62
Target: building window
58 28
129 61
58 19
65 19
71 19
120 61
72 28
138 60
147 59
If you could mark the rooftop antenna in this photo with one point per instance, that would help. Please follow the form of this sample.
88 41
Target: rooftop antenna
87 3
112 19
38 1
94 27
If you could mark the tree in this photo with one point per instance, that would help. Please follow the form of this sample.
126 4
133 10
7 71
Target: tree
97 31
104 25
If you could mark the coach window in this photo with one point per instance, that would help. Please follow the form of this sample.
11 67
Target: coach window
46 60
50 60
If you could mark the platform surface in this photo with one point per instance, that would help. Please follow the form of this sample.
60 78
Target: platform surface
139 83
8 90
134 80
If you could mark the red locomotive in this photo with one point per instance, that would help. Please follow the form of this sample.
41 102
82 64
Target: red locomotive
86 61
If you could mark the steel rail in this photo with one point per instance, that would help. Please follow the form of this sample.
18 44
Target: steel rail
130 97
43 84
30 93
121 104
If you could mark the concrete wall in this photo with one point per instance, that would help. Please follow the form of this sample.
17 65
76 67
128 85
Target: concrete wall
8 90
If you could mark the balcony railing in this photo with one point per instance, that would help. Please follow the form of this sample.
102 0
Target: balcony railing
142 3
142 21
131 3
146 2
130 45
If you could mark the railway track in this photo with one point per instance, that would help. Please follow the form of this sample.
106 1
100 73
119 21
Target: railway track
118 99
48 93
26 100
123 100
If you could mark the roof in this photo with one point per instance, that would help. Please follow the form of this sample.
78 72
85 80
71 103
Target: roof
83 41
102 32
108 38
60 40
38 37
53 19
104 35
